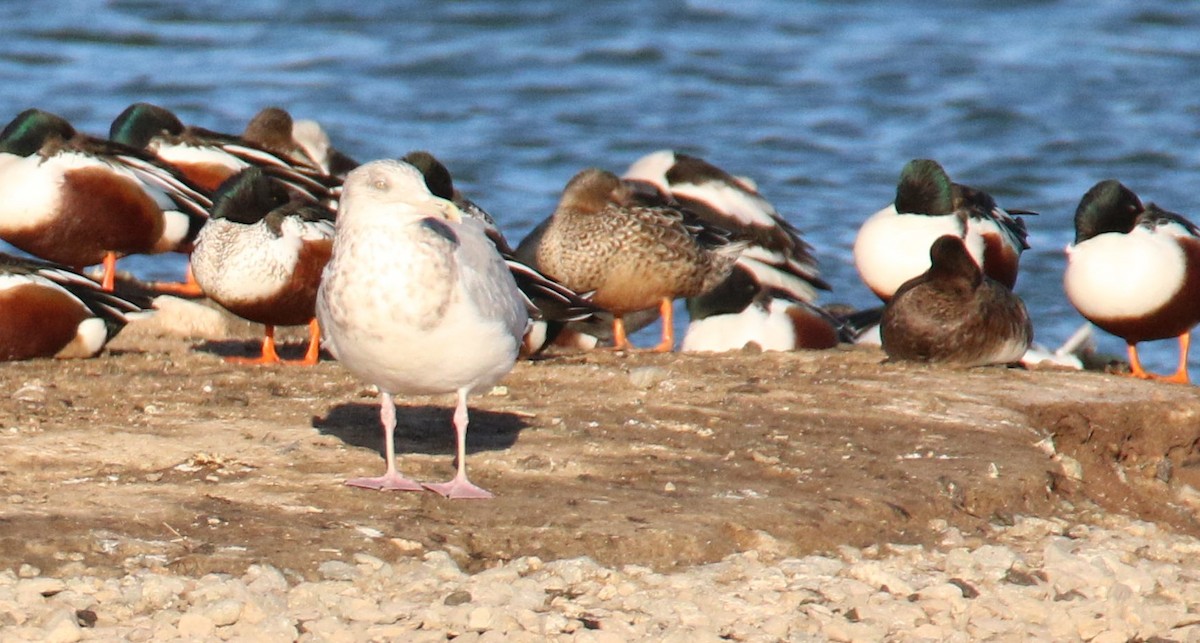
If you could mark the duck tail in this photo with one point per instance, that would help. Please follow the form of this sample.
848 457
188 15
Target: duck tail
853 324
723 259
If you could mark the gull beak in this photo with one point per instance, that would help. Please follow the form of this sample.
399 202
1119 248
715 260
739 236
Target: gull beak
448 210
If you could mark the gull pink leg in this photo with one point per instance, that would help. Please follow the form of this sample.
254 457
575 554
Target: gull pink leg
391 480
460 486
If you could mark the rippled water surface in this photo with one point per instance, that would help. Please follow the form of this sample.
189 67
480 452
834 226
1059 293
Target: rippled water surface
820 102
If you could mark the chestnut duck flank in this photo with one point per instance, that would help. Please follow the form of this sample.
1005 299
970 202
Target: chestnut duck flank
49 310
80 200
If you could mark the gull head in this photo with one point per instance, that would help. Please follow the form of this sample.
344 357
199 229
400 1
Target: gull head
394 187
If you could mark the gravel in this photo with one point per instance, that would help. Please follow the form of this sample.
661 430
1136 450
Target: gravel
1037 579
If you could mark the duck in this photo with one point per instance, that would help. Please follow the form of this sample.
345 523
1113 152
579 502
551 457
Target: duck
589 333
767 300
549 302
955 314
892 245
416 300
756 318
1133 270
273 129
48 310
260 256
197 153
209 158
775 255
312 138
607 239
80 200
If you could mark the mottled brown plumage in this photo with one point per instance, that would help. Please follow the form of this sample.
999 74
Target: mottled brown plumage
604 239
271 128
954 313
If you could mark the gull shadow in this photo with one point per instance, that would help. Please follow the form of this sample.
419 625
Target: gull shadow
420 429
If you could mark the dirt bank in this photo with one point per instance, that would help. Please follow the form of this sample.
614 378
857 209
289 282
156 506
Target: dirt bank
160 451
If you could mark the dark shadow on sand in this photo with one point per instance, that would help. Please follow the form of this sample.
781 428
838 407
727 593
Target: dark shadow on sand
288 350
420 428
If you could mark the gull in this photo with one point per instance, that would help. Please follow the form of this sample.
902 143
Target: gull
416 300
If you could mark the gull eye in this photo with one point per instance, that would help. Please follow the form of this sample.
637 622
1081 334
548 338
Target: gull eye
380 184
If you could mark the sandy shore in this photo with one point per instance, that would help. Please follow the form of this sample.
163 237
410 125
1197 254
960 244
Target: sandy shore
160 458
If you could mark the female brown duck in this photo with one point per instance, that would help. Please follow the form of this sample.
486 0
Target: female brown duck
953 313
605 238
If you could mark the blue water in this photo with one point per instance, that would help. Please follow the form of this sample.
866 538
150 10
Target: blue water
820 102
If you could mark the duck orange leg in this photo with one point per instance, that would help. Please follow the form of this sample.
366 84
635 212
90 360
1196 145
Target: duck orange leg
1135 365
189 287
620 339
109 280
1180 376
667 311
268 356
313 354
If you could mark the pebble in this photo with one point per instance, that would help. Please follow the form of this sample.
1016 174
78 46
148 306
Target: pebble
1117 581
62 627
192 625
647 377
225 612
337 570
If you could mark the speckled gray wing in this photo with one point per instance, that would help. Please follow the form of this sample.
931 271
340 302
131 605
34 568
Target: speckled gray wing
486 279
433 259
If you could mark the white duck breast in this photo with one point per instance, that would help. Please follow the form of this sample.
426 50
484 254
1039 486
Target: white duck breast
1151 269
772 329
892 248
197 155
30 192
